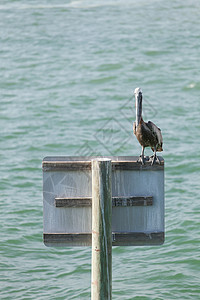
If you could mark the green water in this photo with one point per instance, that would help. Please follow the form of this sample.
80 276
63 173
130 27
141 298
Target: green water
67 74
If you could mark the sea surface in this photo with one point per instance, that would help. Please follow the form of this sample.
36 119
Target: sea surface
68 70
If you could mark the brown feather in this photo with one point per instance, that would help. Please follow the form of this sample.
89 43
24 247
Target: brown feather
148 135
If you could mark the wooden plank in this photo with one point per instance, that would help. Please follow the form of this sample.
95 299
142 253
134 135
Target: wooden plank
73 202
126 163
137 238
132 201
118 239
66 165
134 165
90 158
64 239
116 201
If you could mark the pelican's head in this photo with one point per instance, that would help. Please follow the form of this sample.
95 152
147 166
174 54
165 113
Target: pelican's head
138 104
138 91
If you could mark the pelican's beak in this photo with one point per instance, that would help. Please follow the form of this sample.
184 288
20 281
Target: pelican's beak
138 105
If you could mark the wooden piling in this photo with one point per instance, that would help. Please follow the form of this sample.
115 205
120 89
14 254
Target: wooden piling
101 288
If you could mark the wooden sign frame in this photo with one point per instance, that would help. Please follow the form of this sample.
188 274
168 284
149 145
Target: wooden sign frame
137 195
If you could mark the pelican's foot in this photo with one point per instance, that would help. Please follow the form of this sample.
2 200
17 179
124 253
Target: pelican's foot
154 159
141 159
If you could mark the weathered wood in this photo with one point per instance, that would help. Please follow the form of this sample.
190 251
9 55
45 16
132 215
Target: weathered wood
101 230
63 165
116 201
73 202
134 165
137 238
118 239
67 239
132 201
82 164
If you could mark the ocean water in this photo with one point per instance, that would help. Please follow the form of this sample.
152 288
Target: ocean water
68 70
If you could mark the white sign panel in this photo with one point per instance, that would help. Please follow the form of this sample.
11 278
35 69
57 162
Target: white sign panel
137 201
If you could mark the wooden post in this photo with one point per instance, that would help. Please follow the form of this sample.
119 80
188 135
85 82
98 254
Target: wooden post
101 230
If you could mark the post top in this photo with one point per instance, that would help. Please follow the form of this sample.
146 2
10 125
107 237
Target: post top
101 159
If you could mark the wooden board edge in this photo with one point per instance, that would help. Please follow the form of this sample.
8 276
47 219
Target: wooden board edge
123 201
73 163
119 239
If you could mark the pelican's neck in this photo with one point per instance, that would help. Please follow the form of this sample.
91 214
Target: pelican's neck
138 104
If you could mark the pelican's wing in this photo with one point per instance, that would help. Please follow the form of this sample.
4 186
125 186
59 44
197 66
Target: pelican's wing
156 132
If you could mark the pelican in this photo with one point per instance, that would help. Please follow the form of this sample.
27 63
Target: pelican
147 134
